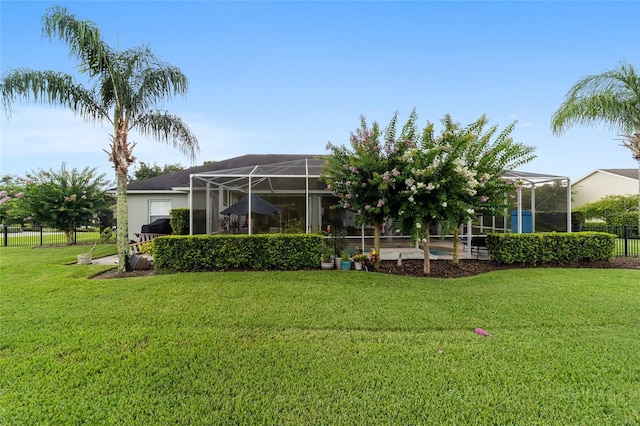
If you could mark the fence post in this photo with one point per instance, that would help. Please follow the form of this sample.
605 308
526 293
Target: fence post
5 238
626 240
41 238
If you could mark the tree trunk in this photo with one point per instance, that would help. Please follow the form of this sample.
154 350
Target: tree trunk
376 242
427 258
456 245
68 233
122 217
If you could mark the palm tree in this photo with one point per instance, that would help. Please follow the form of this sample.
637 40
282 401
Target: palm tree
127 88
612 98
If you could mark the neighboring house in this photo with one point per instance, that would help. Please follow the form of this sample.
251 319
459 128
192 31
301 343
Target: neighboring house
602 182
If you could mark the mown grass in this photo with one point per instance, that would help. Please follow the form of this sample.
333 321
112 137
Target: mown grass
315 347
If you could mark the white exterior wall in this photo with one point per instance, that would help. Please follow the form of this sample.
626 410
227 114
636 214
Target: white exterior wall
600 184
139 207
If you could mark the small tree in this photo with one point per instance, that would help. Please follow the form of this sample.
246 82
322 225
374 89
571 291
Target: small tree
364 177
64 199
146 171
452 177
484 157
11 190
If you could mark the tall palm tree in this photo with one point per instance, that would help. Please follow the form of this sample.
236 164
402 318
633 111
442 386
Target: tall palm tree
126 90
612 98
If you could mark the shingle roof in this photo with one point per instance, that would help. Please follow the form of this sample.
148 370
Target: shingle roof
181 178
630 173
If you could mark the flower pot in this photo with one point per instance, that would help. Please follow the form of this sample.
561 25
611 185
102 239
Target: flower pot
358 266
345 265
327 265
84 259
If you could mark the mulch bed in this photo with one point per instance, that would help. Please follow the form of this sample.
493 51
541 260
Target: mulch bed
443 268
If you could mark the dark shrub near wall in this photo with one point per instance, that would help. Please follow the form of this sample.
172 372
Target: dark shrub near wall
550 247
180 221
247 252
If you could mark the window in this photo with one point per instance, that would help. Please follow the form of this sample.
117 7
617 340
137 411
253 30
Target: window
159 209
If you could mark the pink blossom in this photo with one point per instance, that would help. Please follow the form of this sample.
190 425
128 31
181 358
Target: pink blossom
380 203
355 170
484 198
3 193
395 172
367 207
346 205
4 199
84 197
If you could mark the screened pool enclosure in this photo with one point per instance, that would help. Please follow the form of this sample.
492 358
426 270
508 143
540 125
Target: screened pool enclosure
302 203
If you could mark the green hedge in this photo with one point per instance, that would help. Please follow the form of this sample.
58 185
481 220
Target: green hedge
551 247
248 252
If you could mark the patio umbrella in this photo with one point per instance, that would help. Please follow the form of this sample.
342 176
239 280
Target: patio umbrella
258 205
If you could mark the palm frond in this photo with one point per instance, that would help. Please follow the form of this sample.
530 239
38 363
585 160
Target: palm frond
170 129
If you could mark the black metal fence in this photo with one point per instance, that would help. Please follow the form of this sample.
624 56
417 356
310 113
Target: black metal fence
42 236
628 241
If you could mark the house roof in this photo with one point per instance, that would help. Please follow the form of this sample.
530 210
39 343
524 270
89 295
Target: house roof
624 173
180 179
246 163
629 173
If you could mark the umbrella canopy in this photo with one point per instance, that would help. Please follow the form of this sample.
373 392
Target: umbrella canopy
258 205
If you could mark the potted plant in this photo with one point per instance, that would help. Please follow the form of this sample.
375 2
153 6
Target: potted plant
345 262
86 258
326 261
358 260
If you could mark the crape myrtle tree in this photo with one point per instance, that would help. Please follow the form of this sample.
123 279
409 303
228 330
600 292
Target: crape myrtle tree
64 199
611 98
11 190
364 176
125 89
482 156
450 178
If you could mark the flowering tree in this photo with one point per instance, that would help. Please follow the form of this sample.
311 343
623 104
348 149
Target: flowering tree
483 158
364 177
64 199
452 177
10 192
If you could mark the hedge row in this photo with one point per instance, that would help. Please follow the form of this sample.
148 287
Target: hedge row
550 247
248 252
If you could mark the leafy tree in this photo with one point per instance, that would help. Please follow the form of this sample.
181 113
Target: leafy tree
452 177
483 157
611 98
127 88
363 176
11 190
613 209
146 171
64 199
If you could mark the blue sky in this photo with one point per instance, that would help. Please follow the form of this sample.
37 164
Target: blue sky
288 77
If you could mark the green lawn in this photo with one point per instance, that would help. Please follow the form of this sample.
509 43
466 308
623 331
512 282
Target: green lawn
315 347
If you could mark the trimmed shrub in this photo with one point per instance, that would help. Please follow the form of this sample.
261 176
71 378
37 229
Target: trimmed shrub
179 219
248 252
550 247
